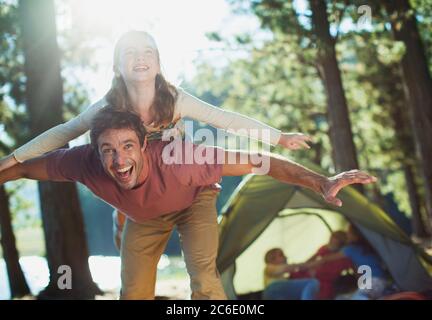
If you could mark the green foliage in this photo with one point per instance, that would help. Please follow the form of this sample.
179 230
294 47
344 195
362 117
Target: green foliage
12 80
279 83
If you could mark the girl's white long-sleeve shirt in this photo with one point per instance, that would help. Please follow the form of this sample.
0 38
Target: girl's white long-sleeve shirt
186 106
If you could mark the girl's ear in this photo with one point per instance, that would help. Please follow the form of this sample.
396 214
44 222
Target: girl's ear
116 71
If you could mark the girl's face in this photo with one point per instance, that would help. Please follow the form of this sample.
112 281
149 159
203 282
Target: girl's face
138 59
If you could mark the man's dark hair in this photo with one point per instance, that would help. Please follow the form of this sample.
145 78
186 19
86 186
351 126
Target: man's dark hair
111 118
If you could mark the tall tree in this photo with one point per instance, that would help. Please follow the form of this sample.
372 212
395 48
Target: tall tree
344 151
17 282
418 84
387 80
61 212
8 79
420 224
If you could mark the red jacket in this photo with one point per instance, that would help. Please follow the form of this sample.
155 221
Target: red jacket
326 274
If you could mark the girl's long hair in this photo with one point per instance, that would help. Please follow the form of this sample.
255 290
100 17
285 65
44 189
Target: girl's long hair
162 108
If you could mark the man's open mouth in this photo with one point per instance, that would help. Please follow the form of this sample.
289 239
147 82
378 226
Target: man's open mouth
124 173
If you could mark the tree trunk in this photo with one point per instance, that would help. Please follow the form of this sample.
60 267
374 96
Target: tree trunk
406 144
341 137
318 148
17 282
61 213
418 224
418 87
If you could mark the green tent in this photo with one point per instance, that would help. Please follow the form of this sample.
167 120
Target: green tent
264 213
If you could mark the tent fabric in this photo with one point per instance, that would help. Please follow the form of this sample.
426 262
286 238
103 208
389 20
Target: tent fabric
258 200
402 261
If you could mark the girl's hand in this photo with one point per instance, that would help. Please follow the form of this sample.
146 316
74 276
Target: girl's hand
294 141
7 162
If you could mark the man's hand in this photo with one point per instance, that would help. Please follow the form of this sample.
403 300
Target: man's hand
331 187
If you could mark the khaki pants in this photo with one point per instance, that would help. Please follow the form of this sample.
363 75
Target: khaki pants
143 244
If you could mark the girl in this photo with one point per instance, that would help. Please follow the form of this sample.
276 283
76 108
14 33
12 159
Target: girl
139 86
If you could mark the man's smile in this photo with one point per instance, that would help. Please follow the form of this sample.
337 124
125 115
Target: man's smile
124 174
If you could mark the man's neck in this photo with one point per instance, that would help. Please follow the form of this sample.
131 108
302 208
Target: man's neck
144 171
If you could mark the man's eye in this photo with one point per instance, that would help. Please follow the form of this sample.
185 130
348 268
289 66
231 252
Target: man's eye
128 146
107 151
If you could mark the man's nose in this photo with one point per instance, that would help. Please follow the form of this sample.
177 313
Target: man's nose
118 159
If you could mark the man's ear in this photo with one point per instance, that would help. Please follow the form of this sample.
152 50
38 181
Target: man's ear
96 149
144 146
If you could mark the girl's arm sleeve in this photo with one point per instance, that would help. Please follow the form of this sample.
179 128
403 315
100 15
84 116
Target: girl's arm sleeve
233 122
59 135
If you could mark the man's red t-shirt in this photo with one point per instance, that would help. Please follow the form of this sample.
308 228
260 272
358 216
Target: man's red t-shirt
168 188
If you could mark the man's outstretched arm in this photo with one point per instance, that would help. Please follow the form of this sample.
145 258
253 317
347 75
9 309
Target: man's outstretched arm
32 169
290 172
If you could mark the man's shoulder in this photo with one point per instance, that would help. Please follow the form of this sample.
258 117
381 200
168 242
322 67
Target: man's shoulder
74 164
84 156
78 152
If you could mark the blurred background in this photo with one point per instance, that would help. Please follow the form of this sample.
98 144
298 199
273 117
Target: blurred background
354 75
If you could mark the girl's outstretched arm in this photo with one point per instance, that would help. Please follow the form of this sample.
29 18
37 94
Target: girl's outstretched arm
53 138
190 106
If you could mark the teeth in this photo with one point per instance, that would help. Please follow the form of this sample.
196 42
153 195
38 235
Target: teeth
141 68
124 169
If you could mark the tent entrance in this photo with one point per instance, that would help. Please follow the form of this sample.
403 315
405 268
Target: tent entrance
299 233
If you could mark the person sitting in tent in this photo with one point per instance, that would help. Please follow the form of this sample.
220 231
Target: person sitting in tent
277 284
329 272
360 252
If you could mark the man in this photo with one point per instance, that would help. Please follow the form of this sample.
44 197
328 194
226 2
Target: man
131 175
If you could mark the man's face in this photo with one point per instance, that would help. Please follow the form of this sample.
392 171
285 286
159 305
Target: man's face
122 156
